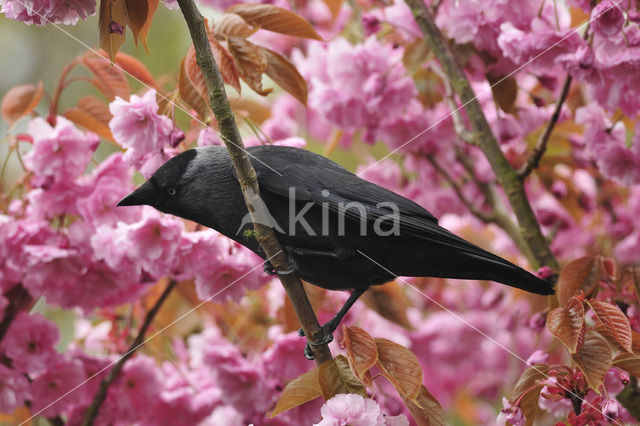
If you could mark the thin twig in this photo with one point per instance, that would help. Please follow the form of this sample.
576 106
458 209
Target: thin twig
507 177
19 297
541 146
247 178
93 410
486 217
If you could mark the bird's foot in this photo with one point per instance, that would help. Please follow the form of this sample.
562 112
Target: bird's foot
325 338
268 268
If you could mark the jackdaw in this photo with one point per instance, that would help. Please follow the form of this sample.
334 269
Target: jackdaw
342 232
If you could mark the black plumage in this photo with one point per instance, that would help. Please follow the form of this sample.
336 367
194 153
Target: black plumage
201 185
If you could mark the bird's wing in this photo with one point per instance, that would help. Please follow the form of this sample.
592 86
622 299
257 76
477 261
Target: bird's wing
317 179
311 175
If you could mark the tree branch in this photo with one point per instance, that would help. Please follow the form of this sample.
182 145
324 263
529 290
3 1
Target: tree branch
541 146
507 177
486 217
92 412
247 178
18 298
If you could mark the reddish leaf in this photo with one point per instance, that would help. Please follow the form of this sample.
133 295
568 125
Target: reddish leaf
629 363
609 267
426 410
20 101
286 75
275 19
232 25
616 322
111 25
635 341
390 301
135 69
334 6
361 350
82 118
93 114
567 324
527 391
139 16
581 274
302 389
110 80
191 94
594 359
504 92
225 63
256 110
252 62
400 366
336 377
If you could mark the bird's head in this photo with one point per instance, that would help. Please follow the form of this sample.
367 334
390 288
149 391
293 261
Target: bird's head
179 186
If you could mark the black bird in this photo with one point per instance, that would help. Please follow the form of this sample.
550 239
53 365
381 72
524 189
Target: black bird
342 232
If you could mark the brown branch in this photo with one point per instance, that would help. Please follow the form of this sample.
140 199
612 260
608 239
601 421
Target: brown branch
486 217
541 146
507 177
19 298
92 412
629 398
247 178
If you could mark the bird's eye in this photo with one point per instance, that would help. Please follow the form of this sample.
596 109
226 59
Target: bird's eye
171 191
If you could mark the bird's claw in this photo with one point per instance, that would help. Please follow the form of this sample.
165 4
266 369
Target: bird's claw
325 339
268 268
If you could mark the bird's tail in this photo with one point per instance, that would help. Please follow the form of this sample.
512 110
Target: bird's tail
485 265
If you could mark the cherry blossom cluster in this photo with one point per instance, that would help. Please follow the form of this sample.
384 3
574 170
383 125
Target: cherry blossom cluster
63 240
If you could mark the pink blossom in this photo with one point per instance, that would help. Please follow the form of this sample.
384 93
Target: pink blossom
208 137
30 343
283 360
370 23
351 409
607 19
581 64
538 357
510 414
618 162
99 207
101 286
137 126
59 152
188 395
154 161
109 183
14 236
41 12
527 46
399 15
14 389
58 199
236 270
53 392
365 85
136 392
171 4
53 272
224 415
611 409
153 242
243 384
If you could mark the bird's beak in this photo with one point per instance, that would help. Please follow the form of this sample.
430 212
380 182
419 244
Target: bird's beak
141 196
